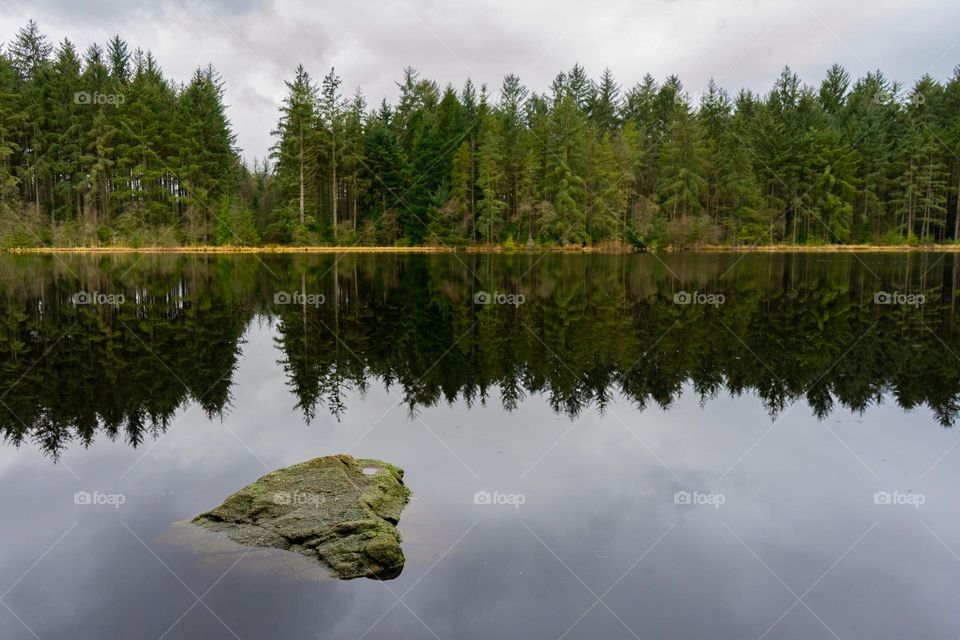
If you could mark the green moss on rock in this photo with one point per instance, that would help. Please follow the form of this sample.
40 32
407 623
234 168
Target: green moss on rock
339 510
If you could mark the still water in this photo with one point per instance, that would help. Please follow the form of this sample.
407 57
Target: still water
682 446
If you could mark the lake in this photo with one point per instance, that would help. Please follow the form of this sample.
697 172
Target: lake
632 446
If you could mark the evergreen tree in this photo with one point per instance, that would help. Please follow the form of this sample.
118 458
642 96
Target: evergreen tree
490 180
30 51
605 107
295 151
683 184
100 147
12 121
330 112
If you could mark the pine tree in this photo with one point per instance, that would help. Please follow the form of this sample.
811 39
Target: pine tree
951 132
295 152
66 148
207 161
353 156
30 54
564 183
30 51
871 124
715 114
386 164
462 192
119 58
330 112
682 168
581 88
12 121
490 180
606 104
833 91
513 95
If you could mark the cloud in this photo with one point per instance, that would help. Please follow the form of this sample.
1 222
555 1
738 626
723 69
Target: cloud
256 44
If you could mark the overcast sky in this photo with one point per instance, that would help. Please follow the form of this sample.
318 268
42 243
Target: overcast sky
256 44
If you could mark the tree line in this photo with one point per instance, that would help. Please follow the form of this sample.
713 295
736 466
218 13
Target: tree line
100 148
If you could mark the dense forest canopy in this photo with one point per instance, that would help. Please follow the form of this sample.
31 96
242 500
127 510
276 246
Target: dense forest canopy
99 148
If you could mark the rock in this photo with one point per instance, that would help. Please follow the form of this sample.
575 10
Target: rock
339 510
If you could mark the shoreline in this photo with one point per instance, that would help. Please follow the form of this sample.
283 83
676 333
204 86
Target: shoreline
610 250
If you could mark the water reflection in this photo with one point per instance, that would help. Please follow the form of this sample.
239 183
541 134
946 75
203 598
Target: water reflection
157 332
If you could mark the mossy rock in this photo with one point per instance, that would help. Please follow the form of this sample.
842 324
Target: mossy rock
338 510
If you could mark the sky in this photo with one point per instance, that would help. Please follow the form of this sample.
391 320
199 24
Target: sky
257 44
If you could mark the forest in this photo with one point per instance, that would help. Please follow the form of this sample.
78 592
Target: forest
99 148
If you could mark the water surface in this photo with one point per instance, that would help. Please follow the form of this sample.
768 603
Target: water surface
787 398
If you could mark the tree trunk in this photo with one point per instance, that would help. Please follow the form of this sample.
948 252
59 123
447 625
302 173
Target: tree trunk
333 181
956 222
36 190
302 203
473 203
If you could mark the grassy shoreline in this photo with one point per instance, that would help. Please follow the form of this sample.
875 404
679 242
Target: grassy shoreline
205 249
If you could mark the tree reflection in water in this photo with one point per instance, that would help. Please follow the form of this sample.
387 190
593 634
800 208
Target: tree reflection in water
800 327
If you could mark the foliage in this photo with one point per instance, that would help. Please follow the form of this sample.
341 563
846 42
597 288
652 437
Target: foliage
94 140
